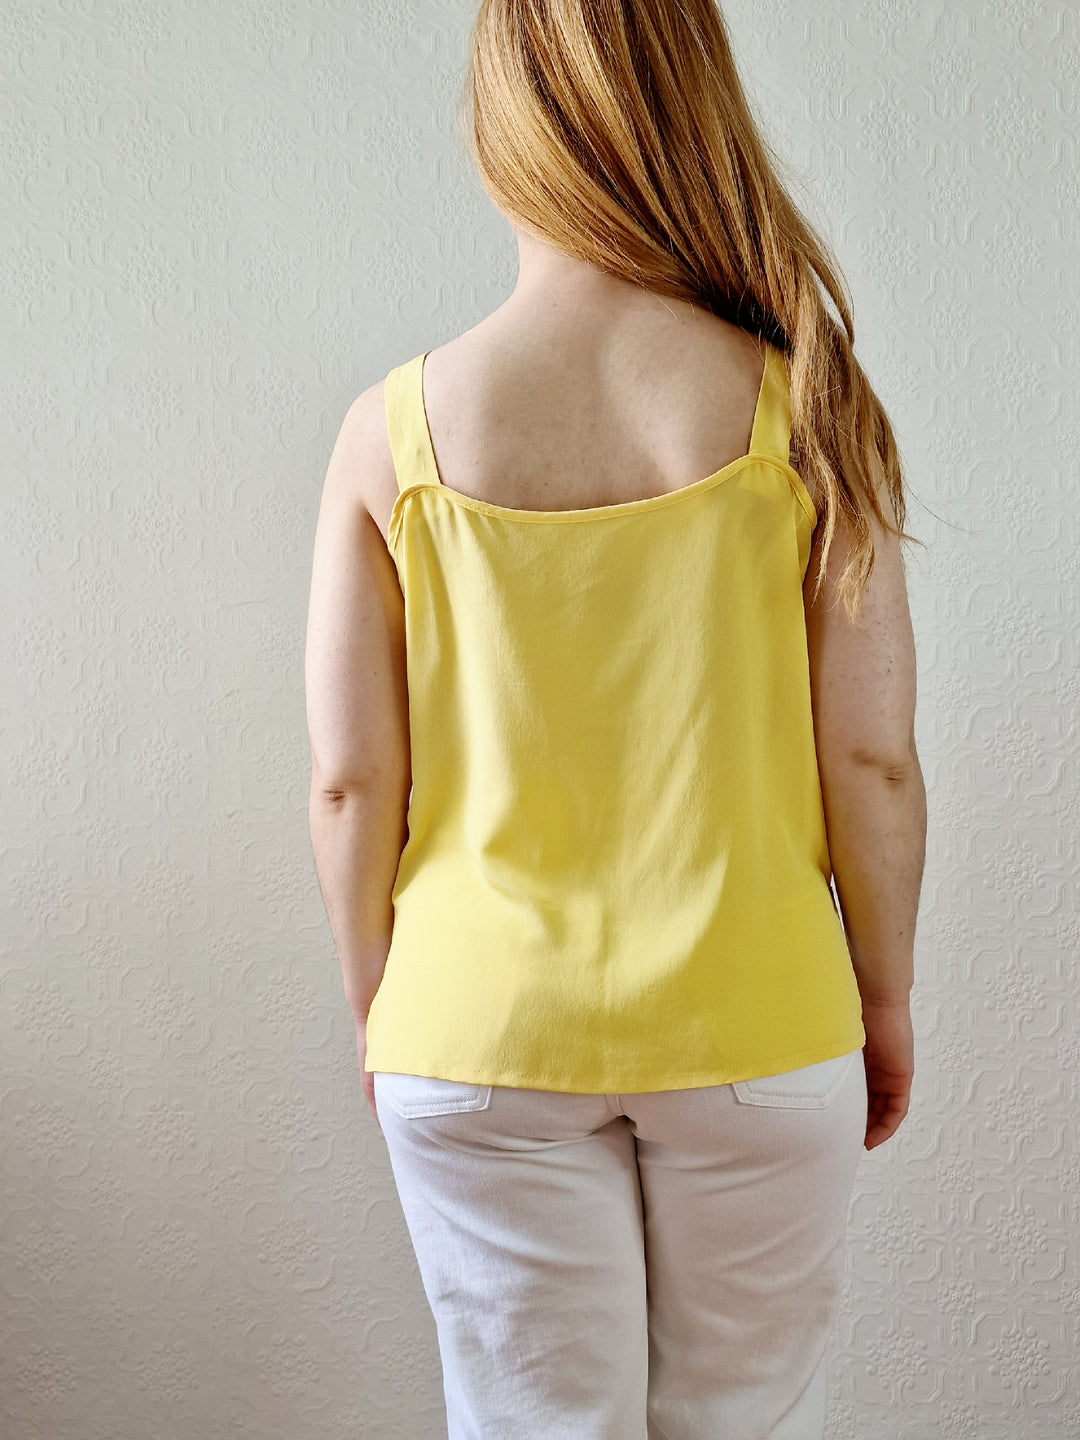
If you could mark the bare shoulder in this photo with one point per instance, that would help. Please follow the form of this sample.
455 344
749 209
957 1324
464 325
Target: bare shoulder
362 462
466 362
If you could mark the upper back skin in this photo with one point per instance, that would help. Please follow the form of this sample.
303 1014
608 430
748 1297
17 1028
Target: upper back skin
542 413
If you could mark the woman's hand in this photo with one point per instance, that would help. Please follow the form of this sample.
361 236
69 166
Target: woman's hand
889 1054
367 1079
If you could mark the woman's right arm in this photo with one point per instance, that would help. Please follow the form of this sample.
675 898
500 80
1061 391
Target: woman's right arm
862 677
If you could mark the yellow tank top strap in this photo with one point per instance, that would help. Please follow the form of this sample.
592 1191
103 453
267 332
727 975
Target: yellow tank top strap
406 421
771 435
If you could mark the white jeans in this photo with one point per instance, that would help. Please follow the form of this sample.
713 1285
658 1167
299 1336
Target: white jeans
656 1266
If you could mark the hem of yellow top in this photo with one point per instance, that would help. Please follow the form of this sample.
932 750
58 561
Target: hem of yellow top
680 1080
600 512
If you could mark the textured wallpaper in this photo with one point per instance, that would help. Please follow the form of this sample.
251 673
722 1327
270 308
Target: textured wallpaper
220 223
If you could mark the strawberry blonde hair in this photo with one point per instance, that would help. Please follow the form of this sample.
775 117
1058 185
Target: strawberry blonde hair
618 131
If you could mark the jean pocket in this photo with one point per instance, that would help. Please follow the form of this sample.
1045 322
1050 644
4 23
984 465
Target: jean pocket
810 1088
412 1096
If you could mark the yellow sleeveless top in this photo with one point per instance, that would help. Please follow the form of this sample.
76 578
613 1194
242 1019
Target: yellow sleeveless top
616 876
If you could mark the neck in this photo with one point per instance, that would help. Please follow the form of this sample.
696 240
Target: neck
563 284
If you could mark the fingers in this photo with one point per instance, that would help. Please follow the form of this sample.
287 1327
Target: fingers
884 1113
369 1091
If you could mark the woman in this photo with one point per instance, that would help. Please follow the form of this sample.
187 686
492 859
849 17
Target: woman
602 696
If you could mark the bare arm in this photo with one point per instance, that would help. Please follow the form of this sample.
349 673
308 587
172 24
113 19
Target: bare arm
863 684
357 711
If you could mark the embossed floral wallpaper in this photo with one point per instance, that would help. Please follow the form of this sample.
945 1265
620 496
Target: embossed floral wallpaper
219 224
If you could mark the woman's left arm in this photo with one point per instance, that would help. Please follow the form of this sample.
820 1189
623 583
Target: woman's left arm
357 708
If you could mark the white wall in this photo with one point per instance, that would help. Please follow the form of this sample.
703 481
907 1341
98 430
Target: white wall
219 224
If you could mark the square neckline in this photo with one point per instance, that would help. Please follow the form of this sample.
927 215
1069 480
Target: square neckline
621 507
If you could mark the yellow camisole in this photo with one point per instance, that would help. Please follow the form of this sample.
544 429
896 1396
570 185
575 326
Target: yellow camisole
616 876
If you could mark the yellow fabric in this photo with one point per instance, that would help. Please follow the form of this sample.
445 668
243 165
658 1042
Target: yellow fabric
616 876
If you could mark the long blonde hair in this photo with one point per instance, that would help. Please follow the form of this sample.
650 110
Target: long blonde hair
618 131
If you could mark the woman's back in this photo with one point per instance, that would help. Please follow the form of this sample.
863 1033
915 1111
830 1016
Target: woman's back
615 812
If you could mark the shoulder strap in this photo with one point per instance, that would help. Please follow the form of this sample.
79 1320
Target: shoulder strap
771 434
406 421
